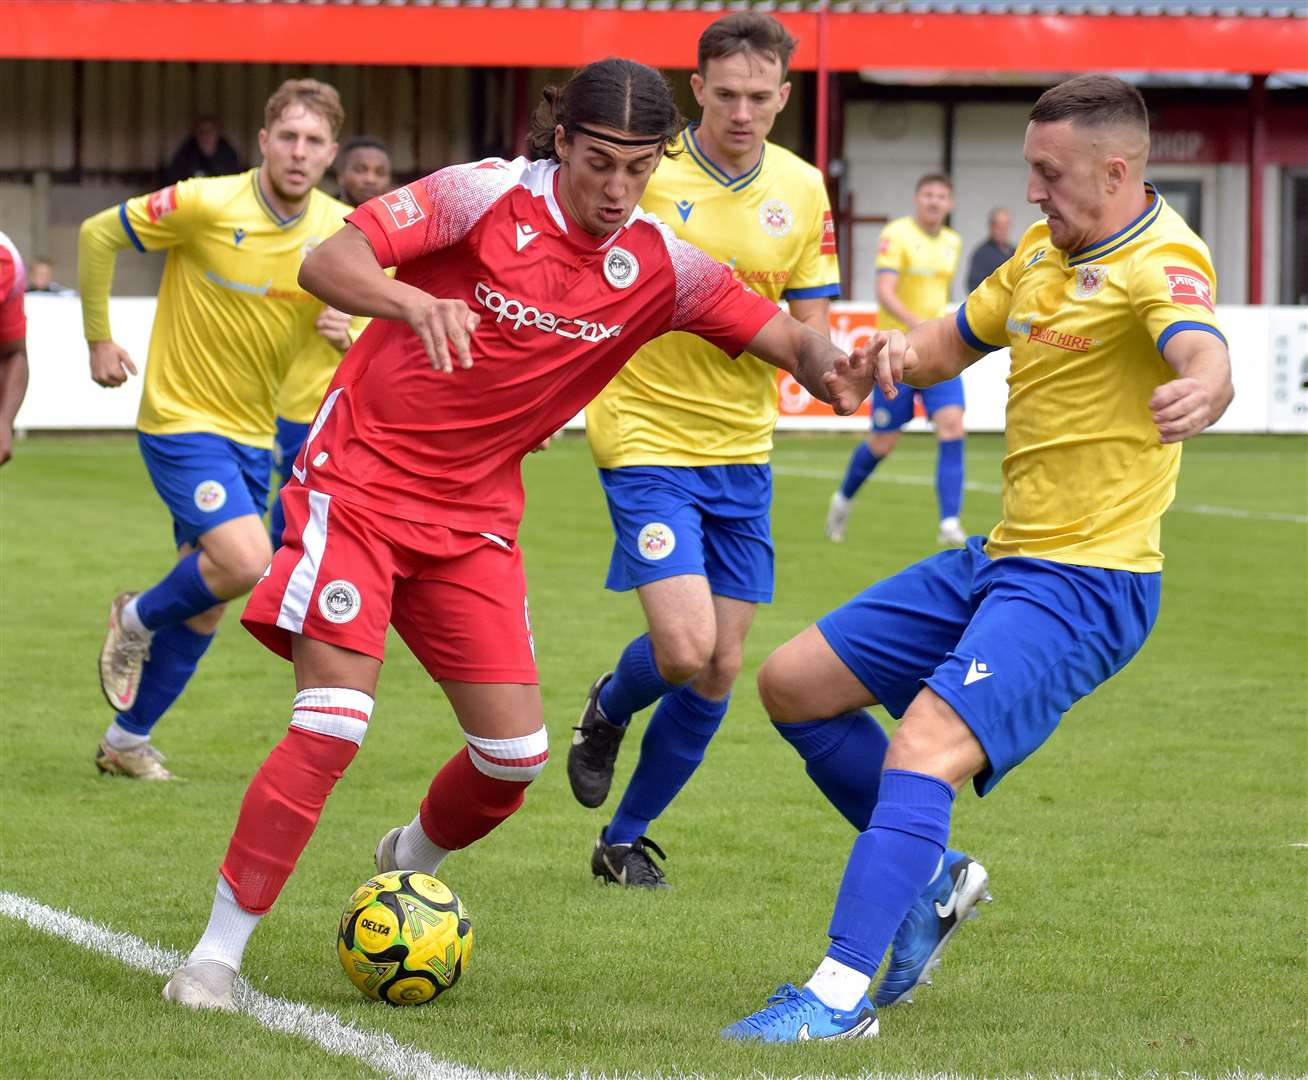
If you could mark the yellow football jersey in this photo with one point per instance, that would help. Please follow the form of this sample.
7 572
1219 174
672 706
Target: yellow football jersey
230 316
311 370
925 265
680 401
1086 479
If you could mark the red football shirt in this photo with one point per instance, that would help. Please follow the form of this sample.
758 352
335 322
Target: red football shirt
13 282
561 311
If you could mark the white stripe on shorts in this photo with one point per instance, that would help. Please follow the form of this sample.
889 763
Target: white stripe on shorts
299 589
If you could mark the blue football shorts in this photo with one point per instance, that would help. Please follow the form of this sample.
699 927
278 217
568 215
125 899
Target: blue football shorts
890 415
205 479
1009 643
714 521
287 444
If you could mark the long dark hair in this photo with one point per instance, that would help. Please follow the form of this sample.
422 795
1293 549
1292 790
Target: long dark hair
615 93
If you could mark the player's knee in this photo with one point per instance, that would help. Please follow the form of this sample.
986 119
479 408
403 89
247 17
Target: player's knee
206 623
682 654
719 674
949 424
881 445
777 689
518 760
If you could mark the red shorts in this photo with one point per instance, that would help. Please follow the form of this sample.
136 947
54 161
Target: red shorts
458 599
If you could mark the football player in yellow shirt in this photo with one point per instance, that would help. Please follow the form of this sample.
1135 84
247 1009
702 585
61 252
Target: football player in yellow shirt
363 169
681 437
1107 306
917 257
230 317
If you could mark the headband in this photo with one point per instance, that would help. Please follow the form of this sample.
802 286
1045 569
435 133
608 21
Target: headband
653 140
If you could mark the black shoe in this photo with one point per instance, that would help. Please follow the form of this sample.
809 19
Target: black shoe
628 864
594 750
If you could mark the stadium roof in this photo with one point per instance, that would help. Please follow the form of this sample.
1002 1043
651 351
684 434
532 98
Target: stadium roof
1245 36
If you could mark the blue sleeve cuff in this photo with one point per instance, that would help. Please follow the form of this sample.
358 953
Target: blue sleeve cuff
812 292
886 270
127 228
1177 327
965 332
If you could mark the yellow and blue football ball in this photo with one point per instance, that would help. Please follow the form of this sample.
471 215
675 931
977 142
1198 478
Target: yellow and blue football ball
404 938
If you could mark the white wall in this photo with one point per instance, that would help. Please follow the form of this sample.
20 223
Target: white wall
1269 348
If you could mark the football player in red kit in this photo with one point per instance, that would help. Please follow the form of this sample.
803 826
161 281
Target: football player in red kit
521 288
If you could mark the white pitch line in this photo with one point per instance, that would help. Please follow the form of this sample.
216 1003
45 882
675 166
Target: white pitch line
995 489
329 1032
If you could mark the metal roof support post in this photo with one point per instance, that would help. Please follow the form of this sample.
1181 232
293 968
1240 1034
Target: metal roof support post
1257 166
823 81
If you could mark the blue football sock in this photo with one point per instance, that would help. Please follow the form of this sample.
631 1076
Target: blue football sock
861 463
949 477
674 744
180 596
889 866
636 682
174 653
843 756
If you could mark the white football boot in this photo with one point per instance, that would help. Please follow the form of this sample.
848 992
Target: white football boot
206 984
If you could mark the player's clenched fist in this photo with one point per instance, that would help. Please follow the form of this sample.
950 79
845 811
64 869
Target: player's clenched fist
445 328
110 363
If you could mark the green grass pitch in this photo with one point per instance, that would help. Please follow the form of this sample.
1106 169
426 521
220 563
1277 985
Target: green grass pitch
1149 864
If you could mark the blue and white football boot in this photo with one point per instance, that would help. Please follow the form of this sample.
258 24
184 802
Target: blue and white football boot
945 905
798 1016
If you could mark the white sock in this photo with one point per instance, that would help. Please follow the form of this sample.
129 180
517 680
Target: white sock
119 738
130 620
230 927
949 523
415 851
838 986
839 498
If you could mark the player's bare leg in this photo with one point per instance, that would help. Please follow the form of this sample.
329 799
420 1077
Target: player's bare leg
676 737
682 624
333 704
156 639
483 783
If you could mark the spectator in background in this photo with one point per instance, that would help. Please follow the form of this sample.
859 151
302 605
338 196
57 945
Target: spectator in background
13 343
205 152
997 249
40 278
363 169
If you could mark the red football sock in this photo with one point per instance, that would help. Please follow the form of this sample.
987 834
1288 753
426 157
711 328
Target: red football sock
463 804
279 813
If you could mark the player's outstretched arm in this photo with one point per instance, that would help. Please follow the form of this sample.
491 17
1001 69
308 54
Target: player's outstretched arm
1195 400
343 272
817 365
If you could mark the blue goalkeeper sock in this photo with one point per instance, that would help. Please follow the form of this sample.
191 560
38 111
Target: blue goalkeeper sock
180 596
861 463
949 477
843 756
636 682
674 744
889 866
175 652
